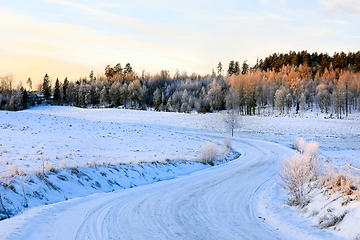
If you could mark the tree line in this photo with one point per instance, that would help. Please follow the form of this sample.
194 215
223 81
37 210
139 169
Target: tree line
279 83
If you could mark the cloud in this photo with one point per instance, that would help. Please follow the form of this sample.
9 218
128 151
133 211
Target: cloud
342 7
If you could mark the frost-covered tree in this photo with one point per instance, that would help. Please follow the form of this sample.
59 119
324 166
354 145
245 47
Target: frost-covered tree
84 95
232 100
215 97
114 94
323 97
16 101
133 90
157 99
124 93
280 100
104 96
232 121
142 96
337 98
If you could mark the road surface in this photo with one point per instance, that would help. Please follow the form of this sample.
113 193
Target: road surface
217 203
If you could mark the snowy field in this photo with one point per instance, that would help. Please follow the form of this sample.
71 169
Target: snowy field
45 138
77 136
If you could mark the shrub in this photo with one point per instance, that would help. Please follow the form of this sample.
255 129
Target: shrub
342 182
297 172
209 153
294 173
311 151
300 144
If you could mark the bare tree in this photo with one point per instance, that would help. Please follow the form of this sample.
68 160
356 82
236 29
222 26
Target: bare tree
232 121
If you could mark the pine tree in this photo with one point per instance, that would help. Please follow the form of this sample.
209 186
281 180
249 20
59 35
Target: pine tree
109 71
128 68
46 90
245 67
219 69
236 68
231 69
91 76
117 68
65 88
25 98
57 95
324 64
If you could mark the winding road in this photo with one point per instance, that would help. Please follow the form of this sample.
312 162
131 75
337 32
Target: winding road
217 203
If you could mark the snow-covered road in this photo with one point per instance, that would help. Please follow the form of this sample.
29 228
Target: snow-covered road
217 203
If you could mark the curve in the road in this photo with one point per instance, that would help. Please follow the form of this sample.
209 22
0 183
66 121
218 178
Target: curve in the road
212 204
217 203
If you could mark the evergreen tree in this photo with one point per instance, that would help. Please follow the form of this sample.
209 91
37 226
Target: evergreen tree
91 76
57 95
245 67
236 68
25 98
109 71
219 69
128 68
324 64
231 69
65 89
46 90
117 68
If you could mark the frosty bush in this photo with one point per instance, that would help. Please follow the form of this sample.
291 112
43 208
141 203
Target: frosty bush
308 148
296 172
209 153
311 149
294 175
300 144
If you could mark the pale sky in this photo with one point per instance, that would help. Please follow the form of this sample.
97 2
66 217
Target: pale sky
69 38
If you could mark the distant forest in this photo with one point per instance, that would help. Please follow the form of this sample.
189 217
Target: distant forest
279 83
